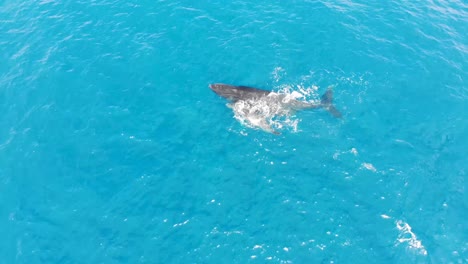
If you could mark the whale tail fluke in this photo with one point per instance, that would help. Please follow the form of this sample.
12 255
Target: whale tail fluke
327 103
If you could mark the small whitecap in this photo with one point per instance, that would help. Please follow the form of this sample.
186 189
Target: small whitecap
369 166
406 236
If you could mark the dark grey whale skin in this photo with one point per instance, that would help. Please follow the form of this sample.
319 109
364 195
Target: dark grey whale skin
236 93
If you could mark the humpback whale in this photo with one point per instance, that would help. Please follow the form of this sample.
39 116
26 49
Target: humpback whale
279 103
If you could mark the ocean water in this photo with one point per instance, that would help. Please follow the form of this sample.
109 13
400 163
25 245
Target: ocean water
114 150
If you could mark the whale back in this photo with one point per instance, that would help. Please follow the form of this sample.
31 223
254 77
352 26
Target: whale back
236 93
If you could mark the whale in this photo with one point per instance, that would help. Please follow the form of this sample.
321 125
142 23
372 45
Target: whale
283 101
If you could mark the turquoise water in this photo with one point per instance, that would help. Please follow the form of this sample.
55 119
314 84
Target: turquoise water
114 150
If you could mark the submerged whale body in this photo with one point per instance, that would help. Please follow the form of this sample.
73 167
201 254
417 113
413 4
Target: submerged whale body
281 103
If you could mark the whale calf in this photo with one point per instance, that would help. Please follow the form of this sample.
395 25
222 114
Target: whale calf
277 103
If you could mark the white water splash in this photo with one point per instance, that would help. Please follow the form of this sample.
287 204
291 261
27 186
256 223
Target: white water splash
406 236
272 113
278 73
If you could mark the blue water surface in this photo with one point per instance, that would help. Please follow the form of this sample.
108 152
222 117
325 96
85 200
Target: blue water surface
114 150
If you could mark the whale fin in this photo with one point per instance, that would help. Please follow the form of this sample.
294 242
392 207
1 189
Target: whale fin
326 102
